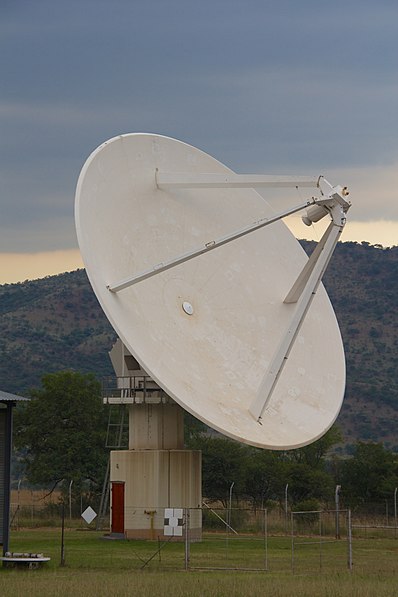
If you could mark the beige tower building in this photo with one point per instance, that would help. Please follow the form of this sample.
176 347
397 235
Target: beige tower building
156 472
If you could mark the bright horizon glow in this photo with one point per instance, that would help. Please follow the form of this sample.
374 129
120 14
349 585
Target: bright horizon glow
381 232
19 267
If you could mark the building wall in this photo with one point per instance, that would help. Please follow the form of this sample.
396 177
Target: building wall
155 480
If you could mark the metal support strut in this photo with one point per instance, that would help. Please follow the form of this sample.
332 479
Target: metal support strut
302 294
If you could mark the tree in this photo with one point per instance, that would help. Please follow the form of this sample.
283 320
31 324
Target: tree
314 454
262 475
62 431
265 476
370 475
223 463
306 482
306 469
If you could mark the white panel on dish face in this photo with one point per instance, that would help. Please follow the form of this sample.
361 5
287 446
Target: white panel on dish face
206 330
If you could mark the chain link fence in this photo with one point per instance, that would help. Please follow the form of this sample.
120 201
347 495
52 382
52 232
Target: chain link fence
229 538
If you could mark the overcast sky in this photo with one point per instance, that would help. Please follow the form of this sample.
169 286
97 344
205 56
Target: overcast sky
281 86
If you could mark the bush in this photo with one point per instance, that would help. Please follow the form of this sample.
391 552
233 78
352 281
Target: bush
308 521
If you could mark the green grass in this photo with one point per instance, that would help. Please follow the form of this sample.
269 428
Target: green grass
98 567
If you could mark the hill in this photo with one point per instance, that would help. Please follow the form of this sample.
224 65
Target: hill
56 323
48 325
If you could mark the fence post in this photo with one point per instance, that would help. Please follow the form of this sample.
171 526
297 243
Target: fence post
349 540
63 536
292 532
337 501
18 504
266 537
286 507
70 500
187 540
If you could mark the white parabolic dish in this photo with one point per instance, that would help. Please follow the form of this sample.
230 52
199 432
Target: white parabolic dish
206 329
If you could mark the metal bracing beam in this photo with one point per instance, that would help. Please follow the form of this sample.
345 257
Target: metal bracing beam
215 180
296 290
302 293
207 247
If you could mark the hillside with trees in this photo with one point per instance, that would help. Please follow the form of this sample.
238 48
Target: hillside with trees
56 323
362 282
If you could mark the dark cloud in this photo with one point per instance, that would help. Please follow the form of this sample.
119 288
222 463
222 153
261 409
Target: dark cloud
263 85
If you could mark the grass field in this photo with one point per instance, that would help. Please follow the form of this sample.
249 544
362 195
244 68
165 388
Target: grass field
97 567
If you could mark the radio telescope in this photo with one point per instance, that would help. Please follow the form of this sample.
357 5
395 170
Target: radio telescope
210 292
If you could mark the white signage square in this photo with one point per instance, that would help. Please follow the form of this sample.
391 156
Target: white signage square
88 515
173 521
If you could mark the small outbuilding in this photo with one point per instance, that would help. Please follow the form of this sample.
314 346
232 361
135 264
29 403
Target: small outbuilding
7 403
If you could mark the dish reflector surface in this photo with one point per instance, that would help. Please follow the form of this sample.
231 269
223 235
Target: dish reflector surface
206 330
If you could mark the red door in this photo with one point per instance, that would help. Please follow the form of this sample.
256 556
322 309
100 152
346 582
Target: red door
117 507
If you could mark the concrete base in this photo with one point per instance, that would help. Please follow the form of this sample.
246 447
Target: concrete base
148 482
